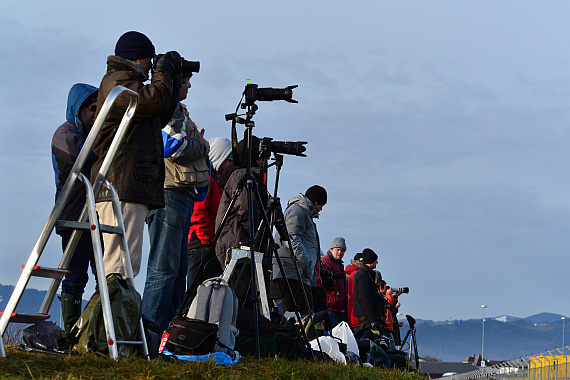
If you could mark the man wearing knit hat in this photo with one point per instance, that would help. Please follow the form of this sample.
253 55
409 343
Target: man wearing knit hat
366 302
137 171
337 296
203 224
186 181
299 214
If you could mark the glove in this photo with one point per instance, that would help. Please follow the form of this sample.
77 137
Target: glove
166 62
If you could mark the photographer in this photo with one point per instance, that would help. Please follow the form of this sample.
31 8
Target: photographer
137 171
186 182
336 296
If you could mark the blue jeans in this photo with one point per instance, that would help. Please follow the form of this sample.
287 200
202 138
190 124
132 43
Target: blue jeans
168 257
74 282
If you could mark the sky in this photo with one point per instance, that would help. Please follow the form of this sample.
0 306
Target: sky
440 129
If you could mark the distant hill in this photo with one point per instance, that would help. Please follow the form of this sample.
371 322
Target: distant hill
456 340
544 318
30 303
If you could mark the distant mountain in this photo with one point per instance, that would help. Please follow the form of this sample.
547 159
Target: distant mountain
456 340
506 318
30 303
544 318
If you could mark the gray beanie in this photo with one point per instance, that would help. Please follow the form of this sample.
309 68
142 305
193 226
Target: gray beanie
338 243
220 149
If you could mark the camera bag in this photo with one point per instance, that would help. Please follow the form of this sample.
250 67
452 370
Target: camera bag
186 336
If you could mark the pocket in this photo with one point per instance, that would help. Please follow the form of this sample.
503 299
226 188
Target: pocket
195 173
146 167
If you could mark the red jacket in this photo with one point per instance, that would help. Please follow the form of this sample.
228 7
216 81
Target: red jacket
336 297
203 225
351 272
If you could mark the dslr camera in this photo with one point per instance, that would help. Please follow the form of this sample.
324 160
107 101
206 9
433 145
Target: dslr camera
404 290
295 148
180 64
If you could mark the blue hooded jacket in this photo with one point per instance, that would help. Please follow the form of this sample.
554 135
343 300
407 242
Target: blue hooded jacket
66 144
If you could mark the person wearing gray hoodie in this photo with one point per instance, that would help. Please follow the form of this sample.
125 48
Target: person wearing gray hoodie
299 214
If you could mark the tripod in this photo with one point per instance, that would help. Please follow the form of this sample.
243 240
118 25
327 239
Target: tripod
413 345
249 182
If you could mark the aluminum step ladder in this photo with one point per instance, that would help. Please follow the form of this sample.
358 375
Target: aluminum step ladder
2 352
88 222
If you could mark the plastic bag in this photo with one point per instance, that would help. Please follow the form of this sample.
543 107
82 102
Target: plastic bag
343 332
330 347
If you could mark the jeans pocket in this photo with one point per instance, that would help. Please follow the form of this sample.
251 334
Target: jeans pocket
150 217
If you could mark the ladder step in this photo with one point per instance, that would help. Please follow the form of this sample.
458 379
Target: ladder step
56 273
85 226
27 317
133 342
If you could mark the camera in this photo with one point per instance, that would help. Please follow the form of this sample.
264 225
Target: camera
267 146
405 290
180 64
268 94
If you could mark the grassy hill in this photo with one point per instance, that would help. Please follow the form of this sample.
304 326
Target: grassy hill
44 366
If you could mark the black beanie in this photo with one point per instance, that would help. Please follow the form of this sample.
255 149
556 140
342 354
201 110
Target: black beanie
134 45
369 256
317 195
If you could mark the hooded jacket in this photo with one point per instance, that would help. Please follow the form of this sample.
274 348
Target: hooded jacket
302 230
66 144
137 171
351 272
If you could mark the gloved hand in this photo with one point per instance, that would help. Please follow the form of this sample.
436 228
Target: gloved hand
166 62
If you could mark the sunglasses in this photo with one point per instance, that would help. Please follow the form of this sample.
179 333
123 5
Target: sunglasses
92 108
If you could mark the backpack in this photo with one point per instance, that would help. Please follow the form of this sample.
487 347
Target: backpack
89 334
216 303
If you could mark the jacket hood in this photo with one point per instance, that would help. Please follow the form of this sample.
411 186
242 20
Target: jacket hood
116 62
304 202
77 95
351 268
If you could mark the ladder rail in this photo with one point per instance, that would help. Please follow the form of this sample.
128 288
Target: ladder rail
65 193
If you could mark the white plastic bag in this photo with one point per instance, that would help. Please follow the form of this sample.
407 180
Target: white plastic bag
343 332
330 347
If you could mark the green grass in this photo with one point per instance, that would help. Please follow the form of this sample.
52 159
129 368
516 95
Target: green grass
26 365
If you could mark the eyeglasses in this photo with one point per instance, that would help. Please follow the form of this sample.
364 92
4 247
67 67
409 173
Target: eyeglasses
92 108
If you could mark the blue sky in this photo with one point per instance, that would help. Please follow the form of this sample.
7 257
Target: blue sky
440 129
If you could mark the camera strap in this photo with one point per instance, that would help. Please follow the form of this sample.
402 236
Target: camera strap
235 150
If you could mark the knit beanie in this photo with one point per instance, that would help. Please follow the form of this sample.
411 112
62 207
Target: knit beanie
220 150
317 195
338 243
134 45
358 256
369 256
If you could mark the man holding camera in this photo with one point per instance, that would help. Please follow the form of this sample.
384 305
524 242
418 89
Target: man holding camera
137 172
186 182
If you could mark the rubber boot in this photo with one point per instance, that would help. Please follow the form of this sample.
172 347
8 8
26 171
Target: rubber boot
70 309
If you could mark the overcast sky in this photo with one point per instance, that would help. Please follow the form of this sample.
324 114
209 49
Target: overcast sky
439 128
